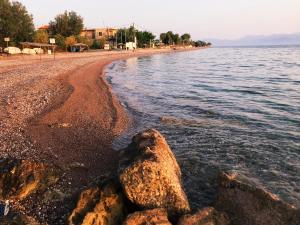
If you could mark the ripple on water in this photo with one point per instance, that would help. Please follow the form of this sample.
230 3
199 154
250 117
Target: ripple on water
220 109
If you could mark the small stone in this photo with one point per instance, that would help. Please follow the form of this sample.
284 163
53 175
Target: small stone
206 216
148 217
20 178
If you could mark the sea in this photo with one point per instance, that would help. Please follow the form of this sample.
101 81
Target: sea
220 109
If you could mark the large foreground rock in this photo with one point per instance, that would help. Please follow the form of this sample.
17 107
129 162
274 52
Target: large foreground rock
248 204
206 216
99 206
148 217
150 175
20 178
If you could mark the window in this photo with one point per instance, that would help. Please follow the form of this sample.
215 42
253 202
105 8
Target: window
100 34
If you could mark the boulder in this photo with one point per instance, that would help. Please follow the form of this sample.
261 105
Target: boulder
148 217
99 205
150 174
249 204
20 178
206 216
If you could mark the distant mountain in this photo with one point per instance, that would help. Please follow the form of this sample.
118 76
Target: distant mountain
260 40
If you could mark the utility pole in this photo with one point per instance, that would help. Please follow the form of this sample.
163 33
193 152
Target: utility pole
121 37
125 35
135 41
117 38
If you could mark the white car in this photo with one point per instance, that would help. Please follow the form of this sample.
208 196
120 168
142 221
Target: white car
12 50
39 50
29 51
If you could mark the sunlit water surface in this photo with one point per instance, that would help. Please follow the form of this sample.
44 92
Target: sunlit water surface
220 109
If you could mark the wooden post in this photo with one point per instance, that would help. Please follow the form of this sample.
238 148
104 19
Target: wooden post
54 52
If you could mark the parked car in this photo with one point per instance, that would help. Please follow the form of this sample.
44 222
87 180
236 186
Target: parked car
39 50
12 50
29 51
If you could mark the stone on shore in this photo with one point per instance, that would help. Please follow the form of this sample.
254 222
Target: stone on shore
148 217
99 205
20 178
150 175
248 204
18 219
206 216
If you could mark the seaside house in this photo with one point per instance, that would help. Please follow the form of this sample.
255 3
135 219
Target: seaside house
44 28
108 34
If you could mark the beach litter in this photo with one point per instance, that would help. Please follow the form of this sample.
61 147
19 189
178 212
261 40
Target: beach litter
4 209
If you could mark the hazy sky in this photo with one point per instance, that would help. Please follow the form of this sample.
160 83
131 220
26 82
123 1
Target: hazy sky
201 18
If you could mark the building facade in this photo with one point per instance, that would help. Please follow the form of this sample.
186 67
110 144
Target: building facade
99 33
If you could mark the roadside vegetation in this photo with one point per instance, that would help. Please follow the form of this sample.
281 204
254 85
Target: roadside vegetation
17 24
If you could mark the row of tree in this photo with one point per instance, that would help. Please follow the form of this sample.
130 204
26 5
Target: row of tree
65 28
143 38
170 38
17 23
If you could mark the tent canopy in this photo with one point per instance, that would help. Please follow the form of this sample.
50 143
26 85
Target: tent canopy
35 44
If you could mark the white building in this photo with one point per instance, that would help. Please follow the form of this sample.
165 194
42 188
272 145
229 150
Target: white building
130 46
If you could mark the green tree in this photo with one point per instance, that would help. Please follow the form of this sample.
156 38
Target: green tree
170 37
121 35
15 22
98 44
144 38
201 44
186 38
60 41
66 24
131 33
41 36
126 34
70 41
163 38
177 39
84 40
95 44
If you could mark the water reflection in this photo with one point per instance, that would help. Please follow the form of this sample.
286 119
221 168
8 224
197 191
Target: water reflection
221 108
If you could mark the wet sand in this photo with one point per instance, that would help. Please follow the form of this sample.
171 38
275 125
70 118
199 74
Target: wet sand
63 110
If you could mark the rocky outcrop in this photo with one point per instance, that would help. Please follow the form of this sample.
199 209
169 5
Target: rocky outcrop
150 175
148 217
206 216
248 204
149 181
20 178
99 205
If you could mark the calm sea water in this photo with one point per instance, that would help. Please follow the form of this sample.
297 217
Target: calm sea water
220 109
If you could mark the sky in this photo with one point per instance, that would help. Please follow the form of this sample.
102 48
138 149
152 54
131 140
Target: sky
203 19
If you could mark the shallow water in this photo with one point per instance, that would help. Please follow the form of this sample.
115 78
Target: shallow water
220 109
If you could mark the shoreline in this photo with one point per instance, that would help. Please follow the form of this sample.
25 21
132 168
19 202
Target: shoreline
72 128
69 173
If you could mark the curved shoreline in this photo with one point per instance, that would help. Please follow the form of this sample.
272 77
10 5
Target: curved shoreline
84 119
73 135
62 113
